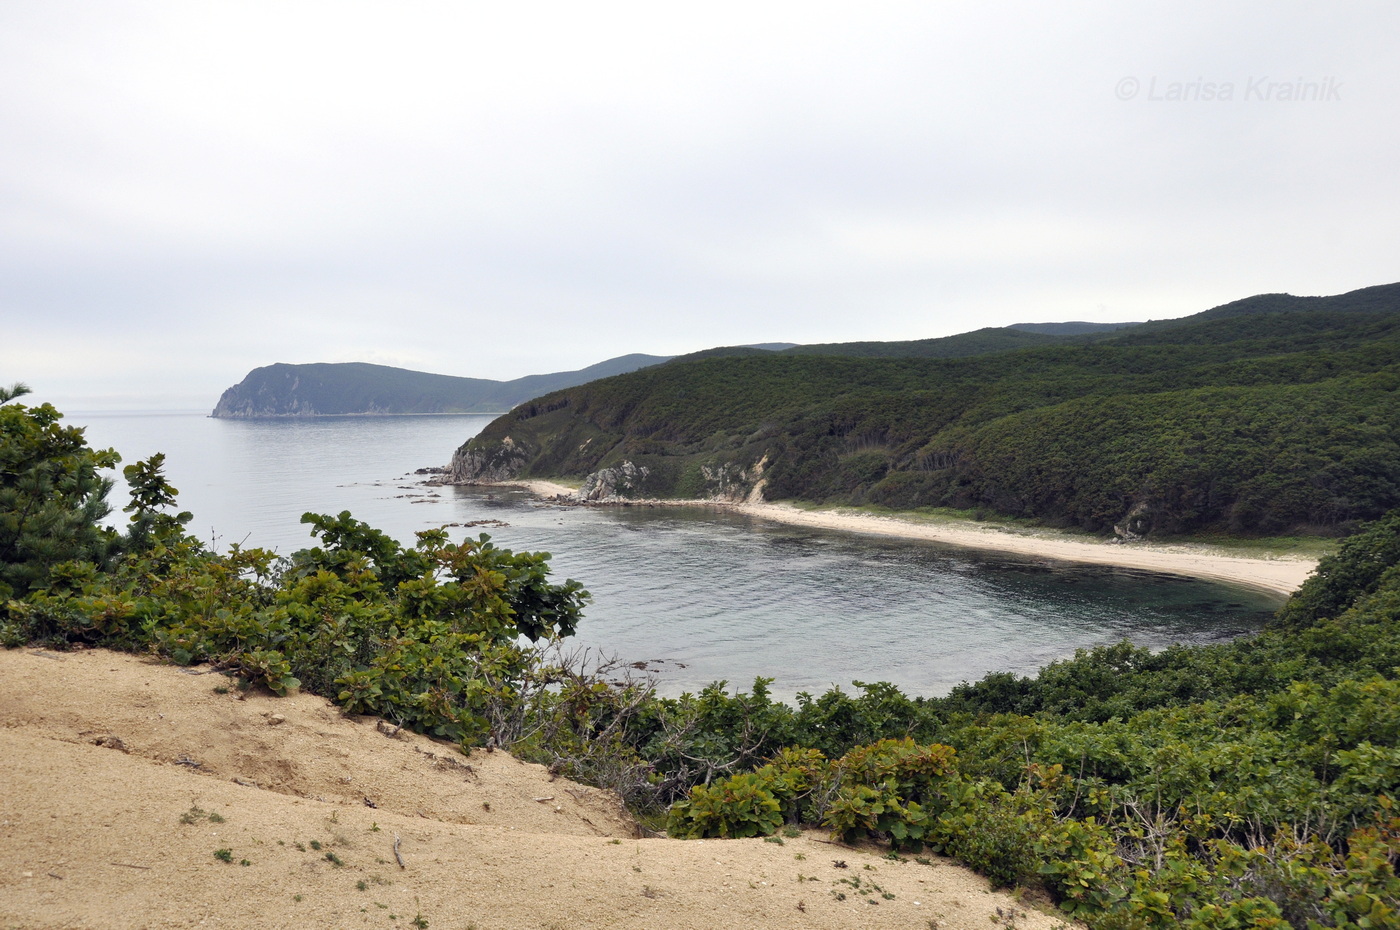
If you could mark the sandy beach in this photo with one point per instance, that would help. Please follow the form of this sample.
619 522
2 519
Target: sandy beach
1280 576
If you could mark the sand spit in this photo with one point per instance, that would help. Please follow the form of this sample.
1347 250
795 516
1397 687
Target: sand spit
1280 576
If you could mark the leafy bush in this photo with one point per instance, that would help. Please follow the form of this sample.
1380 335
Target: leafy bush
734 807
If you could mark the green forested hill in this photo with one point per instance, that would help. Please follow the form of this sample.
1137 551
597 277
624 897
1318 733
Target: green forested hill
1070 329
1270 414
978 342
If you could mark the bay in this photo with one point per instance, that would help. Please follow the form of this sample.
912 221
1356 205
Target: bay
696 593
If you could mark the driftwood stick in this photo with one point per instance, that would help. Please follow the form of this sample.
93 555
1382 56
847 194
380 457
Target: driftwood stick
397 855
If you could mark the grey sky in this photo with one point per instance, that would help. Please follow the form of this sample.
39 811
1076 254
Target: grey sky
191 190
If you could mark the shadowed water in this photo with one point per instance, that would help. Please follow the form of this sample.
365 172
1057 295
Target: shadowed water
708 594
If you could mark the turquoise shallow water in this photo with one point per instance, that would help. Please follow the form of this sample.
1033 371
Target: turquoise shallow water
705 595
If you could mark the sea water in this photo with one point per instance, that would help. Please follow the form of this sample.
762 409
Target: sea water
697 594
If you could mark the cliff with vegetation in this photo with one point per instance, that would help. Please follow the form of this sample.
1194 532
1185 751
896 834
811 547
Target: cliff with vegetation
360 389
1270 414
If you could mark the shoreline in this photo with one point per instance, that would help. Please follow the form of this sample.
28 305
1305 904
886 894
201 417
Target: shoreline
1277 576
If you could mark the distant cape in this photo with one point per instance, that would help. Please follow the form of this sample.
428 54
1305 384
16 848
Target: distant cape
360 389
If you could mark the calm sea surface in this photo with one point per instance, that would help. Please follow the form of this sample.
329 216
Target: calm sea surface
708 595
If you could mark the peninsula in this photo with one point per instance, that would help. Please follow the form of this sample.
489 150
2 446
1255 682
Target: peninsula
361 389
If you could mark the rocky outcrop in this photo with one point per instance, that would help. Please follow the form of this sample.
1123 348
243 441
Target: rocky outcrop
620 482
627 481
1136 525
735 483
475 462
488 460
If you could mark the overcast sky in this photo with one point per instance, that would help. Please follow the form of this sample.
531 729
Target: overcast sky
192 190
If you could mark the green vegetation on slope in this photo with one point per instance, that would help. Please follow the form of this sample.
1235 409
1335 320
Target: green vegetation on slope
979 342
1248 784
1252 418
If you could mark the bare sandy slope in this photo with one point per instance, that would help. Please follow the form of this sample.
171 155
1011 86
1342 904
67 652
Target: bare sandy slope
120 779
1279 576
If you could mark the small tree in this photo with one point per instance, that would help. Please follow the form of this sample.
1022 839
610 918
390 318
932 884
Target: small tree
53 496
150 493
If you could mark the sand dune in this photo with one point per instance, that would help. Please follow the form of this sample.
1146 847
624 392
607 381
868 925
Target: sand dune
121 779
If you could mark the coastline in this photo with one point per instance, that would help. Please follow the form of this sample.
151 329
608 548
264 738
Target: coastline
1278 576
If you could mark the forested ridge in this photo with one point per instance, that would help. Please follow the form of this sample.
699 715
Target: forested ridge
1272 414
1249 784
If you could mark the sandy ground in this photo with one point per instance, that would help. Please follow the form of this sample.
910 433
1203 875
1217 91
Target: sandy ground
1280 576
121 779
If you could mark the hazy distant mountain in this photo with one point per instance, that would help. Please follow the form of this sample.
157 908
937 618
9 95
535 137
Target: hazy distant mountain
357 388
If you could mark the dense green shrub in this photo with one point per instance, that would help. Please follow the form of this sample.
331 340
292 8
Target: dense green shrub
733 807
1355 570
